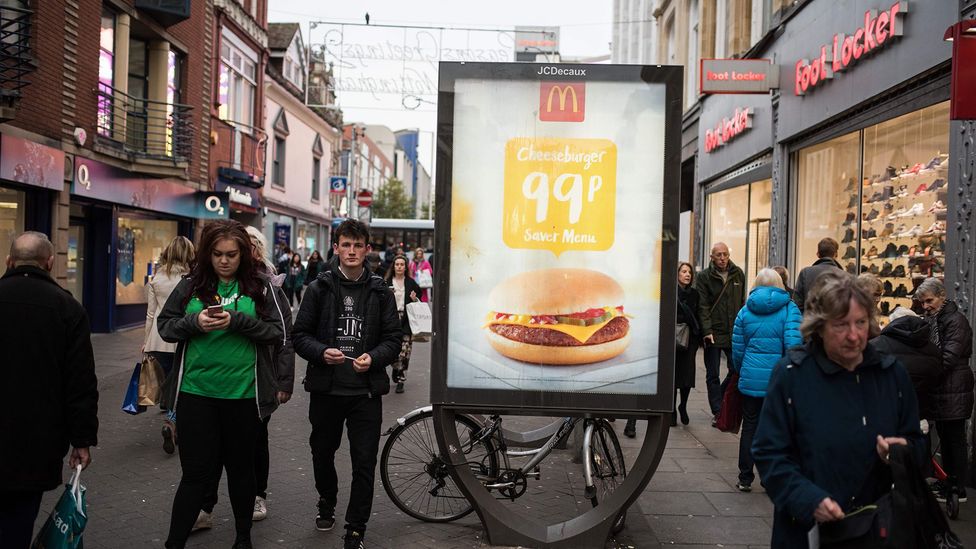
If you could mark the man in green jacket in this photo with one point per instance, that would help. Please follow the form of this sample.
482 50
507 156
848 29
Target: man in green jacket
721 291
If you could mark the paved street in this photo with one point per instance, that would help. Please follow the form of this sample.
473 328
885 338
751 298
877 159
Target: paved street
690 502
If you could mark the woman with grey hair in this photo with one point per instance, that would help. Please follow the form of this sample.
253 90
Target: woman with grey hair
833 407
764 329
953 398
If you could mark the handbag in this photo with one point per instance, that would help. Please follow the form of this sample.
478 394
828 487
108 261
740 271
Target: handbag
418 313
66 523
729 417
682 336
130 404
425 279
151 379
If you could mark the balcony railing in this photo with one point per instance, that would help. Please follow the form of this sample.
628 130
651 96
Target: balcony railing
143 128
15 53
242 148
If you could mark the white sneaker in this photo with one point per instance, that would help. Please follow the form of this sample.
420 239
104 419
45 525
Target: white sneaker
260 509
913 232
914 210
204 521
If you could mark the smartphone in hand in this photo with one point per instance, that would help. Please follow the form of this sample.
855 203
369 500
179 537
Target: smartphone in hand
214 310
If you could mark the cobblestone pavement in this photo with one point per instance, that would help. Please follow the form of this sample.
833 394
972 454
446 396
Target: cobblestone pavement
691 501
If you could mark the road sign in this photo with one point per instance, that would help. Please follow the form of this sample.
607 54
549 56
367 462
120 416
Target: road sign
338 184
364 198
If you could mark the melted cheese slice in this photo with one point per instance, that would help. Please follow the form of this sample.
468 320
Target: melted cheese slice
579 333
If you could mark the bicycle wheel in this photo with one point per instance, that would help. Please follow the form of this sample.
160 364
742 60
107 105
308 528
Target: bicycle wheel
418 481
607 461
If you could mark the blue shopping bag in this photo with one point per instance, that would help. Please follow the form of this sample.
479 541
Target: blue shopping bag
131 403
66 523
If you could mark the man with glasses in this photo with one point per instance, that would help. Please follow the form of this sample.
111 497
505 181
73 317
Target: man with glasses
721 291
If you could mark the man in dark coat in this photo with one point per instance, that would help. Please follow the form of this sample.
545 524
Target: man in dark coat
721 291
826 260
349 332
906 337
48 389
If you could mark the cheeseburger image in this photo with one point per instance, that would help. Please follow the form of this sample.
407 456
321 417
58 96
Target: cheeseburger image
558 317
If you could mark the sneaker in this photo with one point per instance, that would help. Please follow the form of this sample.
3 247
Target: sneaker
630 430
399 387
324 523
937 207
873 252
204 521
851 253
938 183
872 215
743 487
260 509
913 232
962 495
916 209
353 540
900 212
937 227
168 445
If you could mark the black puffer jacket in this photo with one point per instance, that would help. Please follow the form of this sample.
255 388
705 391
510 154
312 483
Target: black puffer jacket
907 339
951 332
315 331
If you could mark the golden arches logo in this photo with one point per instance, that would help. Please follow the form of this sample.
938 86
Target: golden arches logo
563 91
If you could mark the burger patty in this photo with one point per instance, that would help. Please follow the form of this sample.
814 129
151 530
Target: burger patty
615 329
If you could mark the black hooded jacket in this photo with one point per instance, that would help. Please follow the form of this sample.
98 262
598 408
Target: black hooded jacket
951 332
908 339
315 331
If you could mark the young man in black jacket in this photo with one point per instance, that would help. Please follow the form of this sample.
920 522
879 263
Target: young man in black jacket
48 389
348 330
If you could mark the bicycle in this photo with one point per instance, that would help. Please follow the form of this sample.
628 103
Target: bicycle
417 478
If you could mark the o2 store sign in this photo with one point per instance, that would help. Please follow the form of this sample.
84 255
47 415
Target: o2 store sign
879 30
728 129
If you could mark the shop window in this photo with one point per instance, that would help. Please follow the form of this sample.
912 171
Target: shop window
744 230
139 243
889 214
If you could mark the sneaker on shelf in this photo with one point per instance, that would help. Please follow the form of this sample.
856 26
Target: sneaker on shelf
937 184
898 272
922 187
913 232
890 173
891 251
742 487
353 540
873 252
913 170
876 197
888 290
872 215
260 509
204 521
937 227
324 523
848 236
937 208
886 270
849 219
916 209
888 229
874 270
900 212
851 253
902 191
850 185
900 291
852 202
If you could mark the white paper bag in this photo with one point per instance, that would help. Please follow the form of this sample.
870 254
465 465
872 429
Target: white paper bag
425 279
418 313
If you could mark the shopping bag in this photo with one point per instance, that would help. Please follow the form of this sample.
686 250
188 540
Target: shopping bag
130 404
66 523
151 379
418 313
730 415
425 279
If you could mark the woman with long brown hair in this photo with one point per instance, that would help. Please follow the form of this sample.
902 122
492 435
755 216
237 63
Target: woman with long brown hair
225 326
405 290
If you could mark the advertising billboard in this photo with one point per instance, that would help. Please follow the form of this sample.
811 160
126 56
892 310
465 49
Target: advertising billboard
559 239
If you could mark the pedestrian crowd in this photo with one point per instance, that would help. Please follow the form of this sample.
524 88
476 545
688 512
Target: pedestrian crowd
828 397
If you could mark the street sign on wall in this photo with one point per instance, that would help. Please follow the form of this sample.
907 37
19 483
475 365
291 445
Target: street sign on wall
337 184
737 76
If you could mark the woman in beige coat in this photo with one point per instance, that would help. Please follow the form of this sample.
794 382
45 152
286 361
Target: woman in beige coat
174 262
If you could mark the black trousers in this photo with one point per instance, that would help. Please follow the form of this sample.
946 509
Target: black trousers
363 416
18 511
262 465
713 363
214 433
952 437
751 406
293 294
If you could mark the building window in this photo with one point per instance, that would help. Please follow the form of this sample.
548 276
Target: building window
739 217
238 82
278 162
692 82
900 189
316 169
106 72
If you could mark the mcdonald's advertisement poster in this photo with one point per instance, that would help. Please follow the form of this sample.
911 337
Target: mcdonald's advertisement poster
556 223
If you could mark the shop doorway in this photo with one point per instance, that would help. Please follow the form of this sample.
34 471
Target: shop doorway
744 229
76 261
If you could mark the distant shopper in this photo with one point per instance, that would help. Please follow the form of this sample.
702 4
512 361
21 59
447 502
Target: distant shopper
826 260
225 322
418 265
48 388
174 263
764 330
721 291
405 290
315 265
907 338
784 273
953 399
833 408
294 280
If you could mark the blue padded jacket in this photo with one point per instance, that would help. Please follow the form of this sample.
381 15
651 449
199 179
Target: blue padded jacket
764 329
